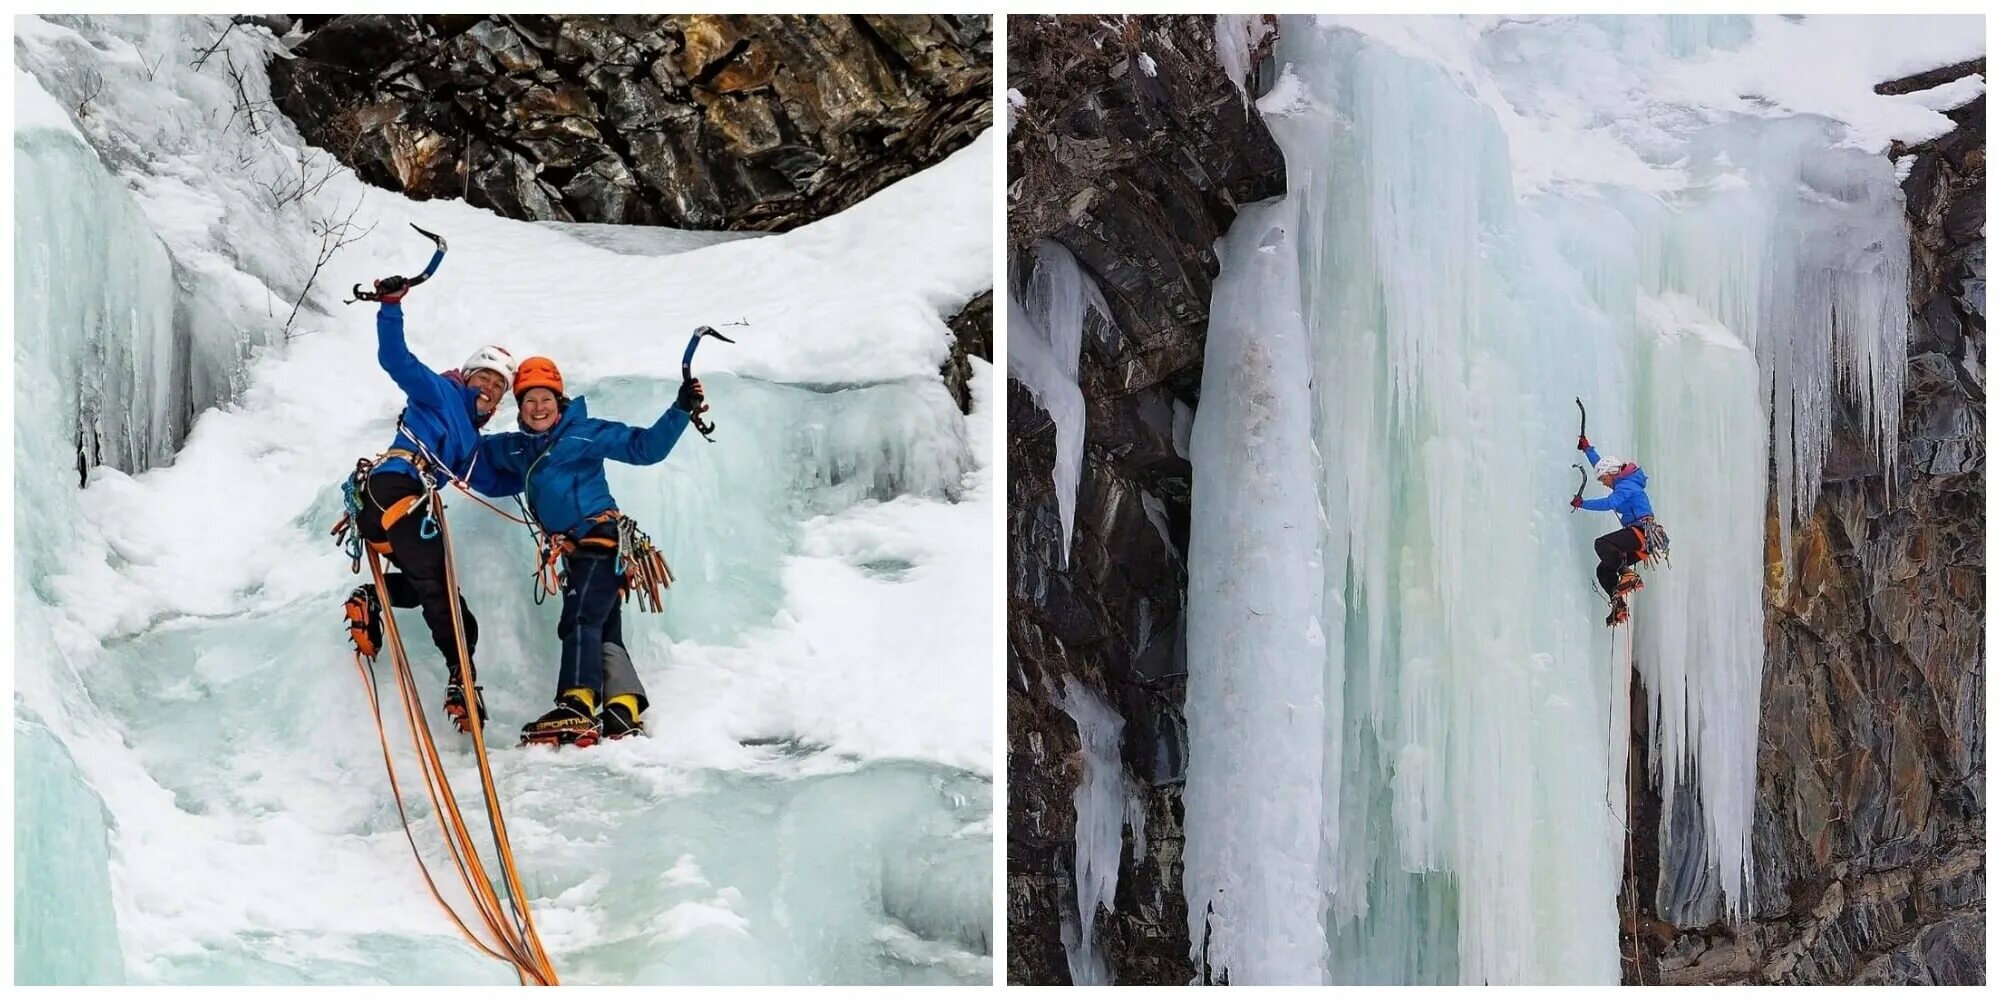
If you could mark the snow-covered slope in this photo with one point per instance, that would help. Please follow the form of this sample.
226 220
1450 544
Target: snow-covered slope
199 793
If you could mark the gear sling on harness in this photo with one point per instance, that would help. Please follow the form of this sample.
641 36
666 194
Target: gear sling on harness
1653 543
512 937
641 568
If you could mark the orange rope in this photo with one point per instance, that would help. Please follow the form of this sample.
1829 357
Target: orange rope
458 839
648 573
521 946
1631 861
482 501
395 789
516 894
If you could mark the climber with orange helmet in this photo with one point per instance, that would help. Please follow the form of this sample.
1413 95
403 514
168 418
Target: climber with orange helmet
558 457
437 440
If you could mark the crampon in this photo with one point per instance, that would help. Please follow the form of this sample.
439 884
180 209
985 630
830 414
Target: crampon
454 706
364 621
569 724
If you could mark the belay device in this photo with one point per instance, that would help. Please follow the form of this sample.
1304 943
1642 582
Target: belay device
687 374
401 284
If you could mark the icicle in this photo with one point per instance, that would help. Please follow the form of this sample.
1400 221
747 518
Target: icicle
1236 37
1045 342
1106 802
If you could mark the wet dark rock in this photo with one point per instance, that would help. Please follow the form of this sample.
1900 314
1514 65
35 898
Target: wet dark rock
688 120
1137 175
971 337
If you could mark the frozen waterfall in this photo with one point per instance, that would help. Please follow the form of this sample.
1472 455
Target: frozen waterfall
199 792
1406 717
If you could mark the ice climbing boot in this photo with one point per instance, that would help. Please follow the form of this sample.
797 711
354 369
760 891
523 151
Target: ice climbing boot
364 621
1619 615
1628 582
570 723
454 704
619 721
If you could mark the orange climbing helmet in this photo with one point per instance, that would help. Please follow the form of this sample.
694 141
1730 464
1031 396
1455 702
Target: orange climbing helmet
537 373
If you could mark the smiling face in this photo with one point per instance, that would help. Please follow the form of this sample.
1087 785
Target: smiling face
491 386
539 409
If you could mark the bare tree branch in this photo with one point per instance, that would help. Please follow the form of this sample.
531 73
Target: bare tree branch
202 57
93 85
249 109
333 234
315 169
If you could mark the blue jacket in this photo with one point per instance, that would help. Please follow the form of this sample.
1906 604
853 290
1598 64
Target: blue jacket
441 415
1627 497
562 468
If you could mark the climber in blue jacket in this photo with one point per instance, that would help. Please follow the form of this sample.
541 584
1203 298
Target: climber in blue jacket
558 456
437 442
1620 550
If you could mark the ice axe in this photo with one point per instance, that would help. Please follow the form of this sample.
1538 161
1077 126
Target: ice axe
396 284
687 375
1582 422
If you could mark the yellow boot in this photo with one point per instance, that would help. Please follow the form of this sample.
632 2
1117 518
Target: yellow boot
621 717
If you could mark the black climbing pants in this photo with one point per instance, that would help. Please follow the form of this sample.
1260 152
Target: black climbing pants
421 561
1616 551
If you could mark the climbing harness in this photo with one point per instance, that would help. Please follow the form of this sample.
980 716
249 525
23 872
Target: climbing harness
641 567
401 284
706 428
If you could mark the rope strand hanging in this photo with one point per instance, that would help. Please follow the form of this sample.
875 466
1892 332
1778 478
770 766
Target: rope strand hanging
512 940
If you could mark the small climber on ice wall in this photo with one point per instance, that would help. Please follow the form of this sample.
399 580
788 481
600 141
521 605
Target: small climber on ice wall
1639 537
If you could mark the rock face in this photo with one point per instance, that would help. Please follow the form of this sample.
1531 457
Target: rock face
971 337
1870 831
1136 166
696 121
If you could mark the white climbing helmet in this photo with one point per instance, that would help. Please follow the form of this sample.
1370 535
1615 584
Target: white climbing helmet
1608 466
492 358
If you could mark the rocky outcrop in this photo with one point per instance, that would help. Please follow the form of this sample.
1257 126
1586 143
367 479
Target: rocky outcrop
1132 149
1870 829
971 337
697 121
